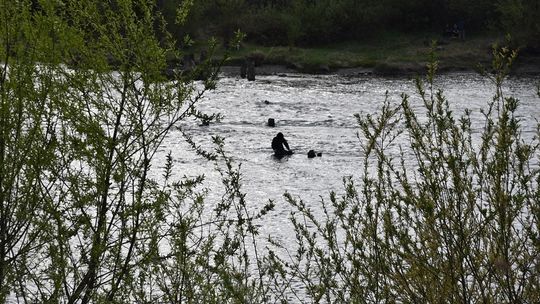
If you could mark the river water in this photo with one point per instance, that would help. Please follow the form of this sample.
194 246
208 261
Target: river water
313 112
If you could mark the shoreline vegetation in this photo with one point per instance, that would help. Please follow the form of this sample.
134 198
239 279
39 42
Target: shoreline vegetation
393 54
387 37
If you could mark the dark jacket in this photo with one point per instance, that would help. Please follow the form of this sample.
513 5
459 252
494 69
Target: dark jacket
279 145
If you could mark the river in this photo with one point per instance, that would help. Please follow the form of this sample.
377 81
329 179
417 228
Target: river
313 112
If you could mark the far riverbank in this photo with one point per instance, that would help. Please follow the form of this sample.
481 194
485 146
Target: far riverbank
391 55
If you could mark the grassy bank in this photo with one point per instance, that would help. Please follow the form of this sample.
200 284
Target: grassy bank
390 53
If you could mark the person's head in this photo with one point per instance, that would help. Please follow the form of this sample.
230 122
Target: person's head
279 135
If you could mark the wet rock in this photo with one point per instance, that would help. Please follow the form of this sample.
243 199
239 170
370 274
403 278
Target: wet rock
188 62
203 56
324 69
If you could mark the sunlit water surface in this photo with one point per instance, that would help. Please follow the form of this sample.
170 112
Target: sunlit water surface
313 112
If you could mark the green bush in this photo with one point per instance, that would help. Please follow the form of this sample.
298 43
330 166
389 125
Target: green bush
82 218
457 223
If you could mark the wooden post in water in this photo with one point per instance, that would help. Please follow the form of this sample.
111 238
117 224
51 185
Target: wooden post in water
243 69
250 70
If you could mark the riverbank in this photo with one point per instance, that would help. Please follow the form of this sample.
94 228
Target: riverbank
392 54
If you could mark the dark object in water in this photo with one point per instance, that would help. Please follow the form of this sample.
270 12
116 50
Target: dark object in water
271 122
311 154
250 71
319 154
243 70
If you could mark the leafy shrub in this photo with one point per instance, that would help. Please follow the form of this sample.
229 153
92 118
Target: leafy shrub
452 217
83 219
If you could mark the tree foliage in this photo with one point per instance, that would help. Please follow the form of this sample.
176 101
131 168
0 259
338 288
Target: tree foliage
85 103
307 22
521 19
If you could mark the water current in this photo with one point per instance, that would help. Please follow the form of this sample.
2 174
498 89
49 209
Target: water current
313 112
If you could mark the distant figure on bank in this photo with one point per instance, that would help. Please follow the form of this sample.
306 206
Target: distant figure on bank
280 146
460 25
448 32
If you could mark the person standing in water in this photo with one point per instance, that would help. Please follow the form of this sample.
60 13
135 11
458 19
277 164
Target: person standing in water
280 146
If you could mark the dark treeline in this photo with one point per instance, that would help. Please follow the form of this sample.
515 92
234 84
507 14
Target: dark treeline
314 22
